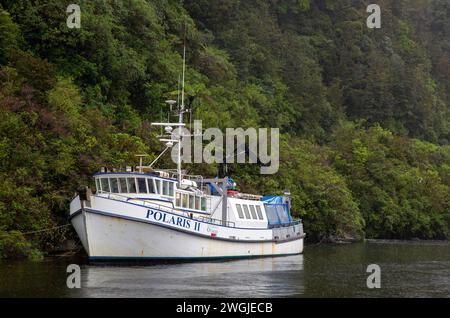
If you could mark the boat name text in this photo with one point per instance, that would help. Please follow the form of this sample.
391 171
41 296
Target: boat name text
179 221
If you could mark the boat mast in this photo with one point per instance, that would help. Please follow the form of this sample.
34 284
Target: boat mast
177 137
180 116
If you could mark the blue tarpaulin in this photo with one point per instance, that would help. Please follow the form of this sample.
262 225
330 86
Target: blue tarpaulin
272 199
277 211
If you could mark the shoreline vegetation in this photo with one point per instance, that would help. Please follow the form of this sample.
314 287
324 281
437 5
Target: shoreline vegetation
364 114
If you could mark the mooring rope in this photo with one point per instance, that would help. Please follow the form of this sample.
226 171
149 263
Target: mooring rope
44 230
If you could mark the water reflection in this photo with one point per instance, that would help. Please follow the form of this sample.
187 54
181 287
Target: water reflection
241 278
408 269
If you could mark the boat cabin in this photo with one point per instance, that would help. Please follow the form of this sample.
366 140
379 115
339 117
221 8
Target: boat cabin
243 210
151 187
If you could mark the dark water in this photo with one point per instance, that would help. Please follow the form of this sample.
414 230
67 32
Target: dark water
408 269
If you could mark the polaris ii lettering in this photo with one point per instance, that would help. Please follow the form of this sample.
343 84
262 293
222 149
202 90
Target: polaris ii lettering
173 220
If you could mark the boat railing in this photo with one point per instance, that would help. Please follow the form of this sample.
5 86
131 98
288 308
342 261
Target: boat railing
281 225
196 178
215 221
145 202
290 230
167 208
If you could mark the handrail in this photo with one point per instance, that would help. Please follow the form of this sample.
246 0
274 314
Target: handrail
150 199
215 221
282 225
171 209
144 203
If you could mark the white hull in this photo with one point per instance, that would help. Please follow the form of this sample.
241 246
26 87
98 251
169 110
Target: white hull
114 234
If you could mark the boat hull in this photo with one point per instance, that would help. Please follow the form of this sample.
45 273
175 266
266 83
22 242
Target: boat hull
107 237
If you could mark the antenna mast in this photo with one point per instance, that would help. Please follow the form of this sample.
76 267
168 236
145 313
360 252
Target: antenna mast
180 114
168 127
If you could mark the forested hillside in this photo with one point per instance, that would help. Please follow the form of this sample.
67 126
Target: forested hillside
364 113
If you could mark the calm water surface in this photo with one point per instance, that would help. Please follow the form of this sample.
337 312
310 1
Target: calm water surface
408 269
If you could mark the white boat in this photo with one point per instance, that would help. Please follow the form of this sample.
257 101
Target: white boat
136 215
149 214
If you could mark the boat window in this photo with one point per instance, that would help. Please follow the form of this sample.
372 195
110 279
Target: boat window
203 201
197 203
142 185
105 184
165 187
151 187
258 210
158 186
247 213
191 202
171 187
283 214
131 185
178 199
184 200
114 185
253 211
239 210
97 184
123 185
272 215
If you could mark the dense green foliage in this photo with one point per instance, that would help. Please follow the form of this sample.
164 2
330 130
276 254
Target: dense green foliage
364 113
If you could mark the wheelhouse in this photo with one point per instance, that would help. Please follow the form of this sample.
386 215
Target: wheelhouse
150 187
134 183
